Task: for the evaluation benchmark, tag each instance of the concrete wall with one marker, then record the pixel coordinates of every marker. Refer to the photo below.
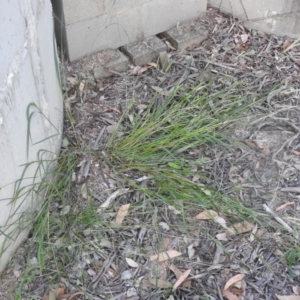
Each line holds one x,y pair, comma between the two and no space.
280,17
86,26
27,74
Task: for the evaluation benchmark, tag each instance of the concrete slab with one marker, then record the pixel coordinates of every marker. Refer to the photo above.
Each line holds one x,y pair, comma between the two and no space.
112,60
186,35
146,51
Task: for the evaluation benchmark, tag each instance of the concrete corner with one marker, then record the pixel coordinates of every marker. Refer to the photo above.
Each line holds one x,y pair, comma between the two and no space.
146,51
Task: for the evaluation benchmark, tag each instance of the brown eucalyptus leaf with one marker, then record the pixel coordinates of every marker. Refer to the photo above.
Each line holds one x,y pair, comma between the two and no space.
163,256
233,280
181,279
122,212
162,284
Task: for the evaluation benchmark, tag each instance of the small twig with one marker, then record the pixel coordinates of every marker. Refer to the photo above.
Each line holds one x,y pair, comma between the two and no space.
95,146
288,142
112,197
277,218
291,189
219,64
106,265
275,113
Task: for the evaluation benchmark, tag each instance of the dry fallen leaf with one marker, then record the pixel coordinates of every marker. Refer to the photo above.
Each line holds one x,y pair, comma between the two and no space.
178,273
258,145
284,205
152,64
52,295
81,86
220,221
131,262
243,47
181,279
160,283
17,273
230,296
122,212
288,297
174,210
244,38
233,280
170,46
142,106
68,105
160,90
71,296
72,80
84,191
206,215
60,292
163,256
65,210
164,226
111,198
240,228
296,290
139,70
295,152
278,252
111,128
262,147
286,44
222,236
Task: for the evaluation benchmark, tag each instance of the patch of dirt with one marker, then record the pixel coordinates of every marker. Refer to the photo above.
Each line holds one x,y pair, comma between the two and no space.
261,169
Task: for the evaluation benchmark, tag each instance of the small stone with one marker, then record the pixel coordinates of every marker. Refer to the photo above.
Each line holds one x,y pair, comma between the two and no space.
117,62
126,275
182,39
146,51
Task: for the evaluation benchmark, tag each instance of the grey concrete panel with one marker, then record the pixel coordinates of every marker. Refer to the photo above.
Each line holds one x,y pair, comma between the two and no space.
79,10
162,15
104,32
118,5
28,75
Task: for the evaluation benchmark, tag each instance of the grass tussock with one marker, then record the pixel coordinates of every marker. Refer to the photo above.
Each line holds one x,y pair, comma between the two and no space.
162,143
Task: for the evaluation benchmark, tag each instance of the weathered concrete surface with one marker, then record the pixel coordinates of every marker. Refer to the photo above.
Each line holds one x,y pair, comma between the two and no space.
28,74
121,23
182,38
115,61
146,51
280,17
78,10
